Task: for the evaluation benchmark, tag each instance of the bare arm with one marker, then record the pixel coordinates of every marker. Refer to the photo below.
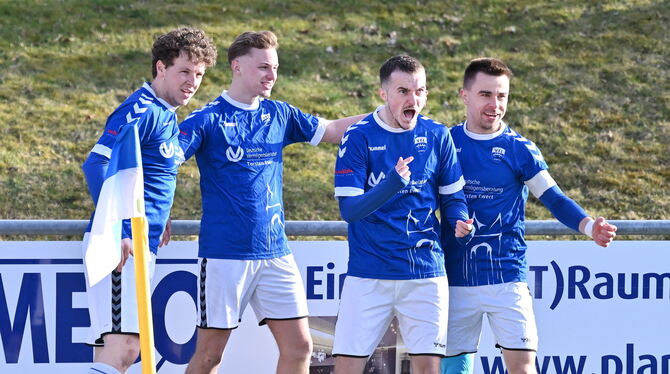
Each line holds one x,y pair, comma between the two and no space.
335,128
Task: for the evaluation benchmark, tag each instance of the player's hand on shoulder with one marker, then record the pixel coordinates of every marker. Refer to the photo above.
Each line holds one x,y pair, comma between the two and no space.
402,167
464,228
603,232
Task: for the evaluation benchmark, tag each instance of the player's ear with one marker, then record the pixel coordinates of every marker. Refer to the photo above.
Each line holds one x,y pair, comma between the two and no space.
235,66
464,95
382,93
160,68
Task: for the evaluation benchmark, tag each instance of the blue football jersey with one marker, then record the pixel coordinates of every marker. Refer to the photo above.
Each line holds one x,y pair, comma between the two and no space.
495,167
156,122
238,148
400,240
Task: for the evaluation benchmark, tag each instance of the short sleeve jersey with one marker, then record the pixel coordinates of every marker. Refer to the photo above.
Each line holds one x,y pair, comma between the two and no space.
400,240
156,123
238,148
495,167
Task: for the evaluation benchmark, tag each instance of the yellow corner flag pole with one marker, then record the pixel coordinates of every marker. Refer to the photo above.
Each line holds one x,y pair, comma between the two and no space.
144,314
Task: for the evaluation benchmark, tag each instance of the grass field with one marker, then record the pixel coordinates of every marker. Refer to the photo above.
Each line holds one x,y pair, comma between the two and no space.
591,87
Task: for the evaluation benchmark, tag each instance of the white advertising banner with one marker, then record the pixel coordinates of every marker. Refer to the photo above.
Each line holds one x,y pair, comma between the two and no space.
598,310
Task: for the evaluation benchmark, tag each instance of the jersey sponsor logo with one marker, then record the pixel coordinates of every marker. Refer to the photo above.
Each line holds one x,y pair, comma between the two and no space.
373,181
497,153
234,155
421,143
167,150
344,171
265,118
377,148
112,132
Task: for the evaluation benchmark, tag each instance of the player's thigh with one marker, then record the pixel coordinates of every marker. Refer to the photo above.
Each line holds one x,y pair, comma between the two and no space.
421,306
465,320
292,335
509,307
519,361
279,294
365,312
112,303
224,289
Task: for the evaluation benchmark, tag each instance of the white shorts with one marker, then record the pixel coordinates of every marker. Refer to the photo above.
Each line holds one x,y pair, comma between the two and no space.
273,287
509,308
112,302
367,306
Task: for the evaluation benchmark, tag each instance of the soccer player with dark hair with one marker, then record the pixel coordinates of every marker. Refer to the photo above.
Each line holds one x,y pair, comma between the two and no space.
394,170
488,275
180,59
238,141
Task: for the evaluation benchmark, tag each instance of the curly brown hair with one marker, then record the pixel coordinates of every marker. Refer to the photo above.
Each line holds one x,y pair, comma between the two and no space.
189,40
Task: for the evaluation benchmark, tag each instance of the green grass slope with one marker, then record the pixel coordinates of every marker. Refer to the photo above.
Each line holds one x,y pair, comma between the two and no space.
591,87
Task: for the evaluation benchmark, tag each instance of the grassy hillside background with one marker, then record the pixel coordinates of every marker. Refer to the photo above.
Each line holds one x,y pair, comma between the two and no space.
592,87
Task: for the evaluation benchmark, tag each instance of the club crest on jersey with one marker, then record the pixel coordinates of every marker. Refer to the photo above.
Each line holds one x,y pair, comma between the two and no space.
234,155
497,153
265,118
166,150
421,143
373,181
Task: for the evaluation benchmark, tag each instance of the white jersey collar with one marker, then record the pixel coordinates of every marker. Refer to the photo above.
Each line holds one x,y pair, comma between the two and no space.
233,102
147,86
476,136
384,125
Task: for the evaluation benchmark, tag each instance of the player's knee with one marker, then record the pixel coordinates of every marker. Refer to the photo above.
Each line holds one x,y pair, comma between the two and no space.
128,354
300,350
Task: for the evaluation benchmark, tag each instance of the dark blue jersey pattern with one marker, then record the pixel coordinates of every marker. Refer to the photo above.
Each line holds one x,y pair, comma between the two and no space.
156,122
498,170
238,148
400,239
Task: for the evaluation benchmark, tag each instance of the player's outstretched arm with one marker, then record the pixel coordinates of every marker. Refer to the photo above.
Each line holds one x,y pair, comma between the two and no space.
600,230
335,128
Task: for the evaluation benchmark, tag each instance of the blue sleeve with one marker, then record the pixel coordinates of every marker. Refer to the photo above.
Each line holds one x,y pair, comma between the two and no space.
453,207
354,208
95,169
191,134
300,126
566,210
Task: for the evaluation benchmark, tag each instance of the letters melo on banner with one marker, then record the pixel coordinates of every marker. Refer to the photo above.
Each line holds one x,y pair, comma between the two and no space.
598,310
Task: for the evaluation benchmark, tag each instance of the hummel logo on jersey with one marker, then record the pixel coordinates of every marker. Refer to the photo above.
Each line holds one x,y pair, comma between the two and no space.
265,118
234,155
497,153
373,181
166,150
377,148
342,151
229,124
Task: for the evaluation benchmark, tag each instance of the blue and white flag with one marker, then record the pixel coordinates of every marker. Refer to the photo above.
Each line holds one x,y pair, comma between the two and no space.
121,197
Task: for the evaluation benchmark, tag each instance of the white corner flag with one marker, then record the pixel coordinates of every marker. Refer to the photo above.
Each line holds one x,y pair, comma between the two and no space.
121,197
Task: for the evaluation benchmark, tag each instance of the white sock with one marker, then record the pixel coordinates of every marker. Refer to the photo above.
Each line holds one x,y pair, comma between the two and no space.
100,368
